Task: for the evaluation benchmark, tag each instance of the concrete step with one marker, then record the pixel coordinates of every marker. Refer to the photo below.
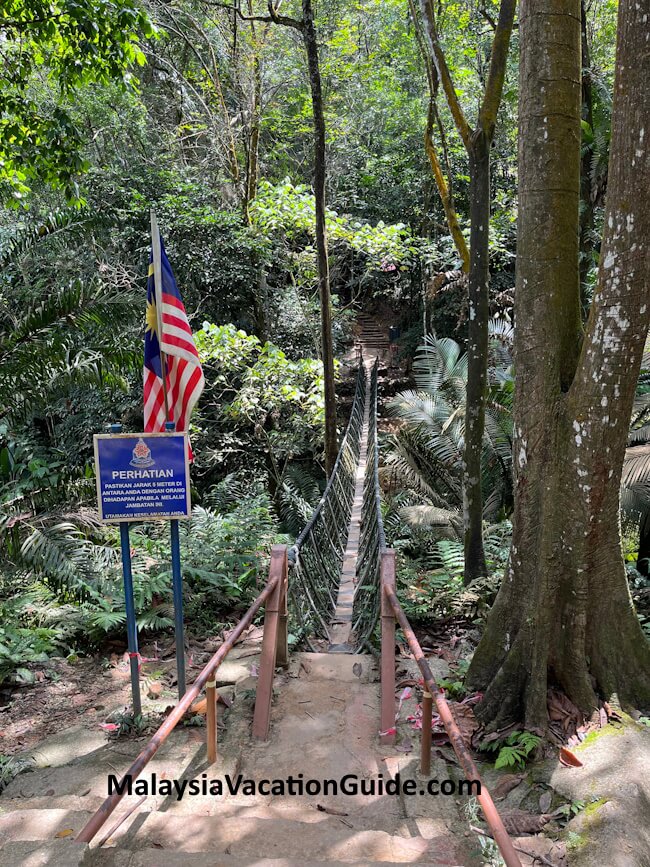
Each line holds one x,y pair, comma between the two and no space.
160,858
31,825
36,853
327,840
335,668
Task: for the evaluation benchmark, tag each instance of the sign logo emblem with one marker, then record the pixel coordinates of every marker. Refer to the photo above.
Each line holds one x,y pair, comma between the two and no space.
141,455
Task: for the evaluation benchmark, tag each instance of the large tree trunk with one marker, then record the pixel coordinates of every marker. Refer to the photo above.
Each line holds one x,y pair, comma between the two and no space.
327,351
564,613
477,353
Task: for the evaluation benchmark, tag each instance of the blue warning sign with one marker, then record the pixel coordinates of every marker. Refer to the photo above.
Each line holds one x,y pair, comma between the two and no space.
142,477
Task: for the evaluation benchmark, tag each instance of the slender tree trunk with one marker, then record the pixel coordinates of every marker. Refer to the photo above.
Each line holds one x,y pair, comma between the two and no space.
443,184
477,353
327,350
477,144
564,614
444,190
587,201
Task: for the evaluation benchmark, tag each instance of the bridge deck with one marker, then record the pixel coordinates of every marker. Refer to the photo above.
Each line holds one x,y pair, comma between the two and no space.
342,622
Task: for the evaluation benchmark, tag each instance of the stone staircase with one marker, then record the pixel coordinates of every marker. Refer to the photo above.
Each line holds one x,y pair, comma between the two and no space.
325,720
372,338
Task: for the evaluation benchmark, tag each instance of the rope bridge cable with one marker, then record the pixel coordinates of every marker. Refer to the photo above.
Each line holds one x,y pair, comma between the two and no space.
367,598
316,557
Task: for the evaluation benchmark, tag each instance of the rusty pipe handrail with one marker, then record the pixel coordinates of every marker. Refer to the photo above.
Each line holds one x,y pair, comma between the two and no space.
101,815
468,765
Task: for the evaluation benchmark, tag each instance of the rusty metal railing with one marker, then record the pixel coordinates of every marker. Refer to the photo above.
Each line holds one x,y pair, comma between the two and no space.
376,597
274,652
392,611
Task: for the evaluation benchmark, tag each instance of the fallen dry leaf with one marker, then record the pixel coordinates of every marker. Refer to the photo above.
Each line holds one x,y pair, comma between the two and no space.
66,832
545,801
506,784
568,759
330,810
520,822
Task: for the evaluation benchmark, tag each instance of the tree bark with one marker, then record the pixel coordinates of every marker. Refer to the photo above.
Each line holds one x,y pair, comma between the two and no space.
444,190
564,615
327,350
477,353
307,28
586,193
443,184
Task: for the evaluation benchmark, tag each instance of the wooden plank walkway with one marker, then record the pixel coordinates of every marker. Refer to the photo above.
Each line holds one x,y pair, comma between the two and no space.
341,624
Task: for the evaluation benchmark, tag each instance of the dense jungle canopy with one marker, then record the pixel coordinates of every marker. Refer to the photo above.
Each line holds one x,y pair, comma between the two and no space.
473,175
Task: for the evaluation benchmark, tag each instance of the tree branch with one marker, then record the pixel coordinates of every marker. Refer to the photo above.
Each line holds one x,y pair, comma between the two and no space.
237,10
497,73
440,62
285,20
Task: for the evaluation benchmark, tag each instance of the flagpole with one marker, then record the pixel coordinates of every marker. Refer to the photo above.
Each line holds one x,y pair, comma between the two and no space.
157,281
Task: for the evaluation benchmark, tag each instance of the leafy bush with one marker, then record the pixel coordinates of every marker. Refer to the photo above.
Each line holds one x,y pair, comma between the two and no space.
21,646
267,407
10,767
514,750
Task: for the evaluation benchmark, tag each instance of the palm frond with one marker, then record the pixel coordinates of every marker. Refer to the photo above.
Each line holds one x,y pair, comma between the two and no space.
29,236
636,466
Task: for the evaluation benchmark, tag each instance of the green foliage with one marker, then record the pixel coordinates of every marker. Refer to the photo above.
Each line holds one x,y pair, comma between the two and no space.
125,724
66,337
10,767
514,750
50,49
268,407
223,554
430,574
425,456
19,647
291,210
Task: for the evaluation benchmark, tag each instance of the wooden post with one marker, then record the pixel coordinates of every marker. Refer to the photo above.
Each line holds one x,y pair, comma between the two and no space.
211,719
387,578
425,744
262,714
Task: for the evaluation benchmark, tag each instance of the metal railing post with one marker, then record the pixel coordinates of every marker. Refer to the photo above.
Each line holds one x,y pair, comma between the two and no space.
465,759
211,718
98,818
264,693
282,647
425,744
387,578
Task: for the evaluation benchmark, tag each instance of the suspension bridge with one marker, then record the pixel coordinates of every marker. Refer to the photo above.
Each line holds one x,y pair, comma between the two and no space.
331,715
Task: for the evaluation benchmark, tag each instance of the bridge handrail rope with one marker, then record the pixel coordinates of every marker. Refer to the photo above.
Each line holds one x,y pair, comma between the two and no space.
320,547
316,557
372,544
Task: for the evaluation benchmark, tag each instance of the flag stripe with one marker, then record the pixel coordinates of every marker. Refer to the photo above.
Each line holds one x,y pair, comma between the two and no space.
185,339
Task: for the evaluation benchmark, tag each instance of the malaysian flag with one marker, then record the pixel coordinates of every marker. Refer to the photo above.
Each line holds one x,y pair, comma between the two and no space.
168,330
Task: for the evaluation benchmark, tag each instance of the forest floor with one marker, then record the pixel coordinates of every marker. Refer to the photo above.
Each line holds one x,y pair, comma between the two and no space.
75,705
93,690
